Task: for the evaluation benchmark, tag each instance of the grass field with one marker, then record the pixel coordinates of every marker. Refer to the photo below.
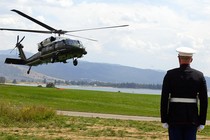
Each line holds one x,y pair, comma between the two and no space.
29,113
81,100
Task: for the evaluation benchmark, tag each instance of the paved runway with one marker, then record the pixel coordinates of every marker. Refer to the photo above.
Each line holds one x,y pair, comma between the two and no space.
111,116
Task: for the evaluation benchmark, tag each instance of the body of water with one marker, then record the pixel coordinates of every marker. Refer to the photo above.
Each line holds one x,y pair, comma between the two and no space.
124,90
109,89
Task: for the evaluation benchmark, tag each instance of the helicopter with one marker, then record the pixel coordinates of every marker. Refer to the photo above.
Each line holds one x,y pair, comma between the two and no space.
52,49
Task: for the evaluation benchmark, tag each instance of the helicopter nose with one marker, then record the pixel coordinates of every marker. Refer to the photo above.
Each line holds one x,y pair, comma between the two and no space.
84,52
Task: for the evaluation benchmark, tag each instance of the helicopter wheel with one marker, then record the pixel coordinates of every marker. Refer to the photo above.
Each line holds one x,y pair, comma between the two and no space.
75,62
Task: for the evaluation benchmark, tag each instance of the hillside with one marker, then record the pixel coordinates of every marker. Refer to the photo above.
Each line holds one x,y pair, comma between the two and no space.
84,71
101,72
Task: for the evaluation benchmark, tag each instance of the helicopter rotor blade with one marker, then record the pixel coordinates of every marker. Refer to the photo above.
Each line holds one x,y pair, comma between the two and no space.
17,38
97,28
53,30
12,49
82,37
25,30
16,44
60,31
21,40
34,20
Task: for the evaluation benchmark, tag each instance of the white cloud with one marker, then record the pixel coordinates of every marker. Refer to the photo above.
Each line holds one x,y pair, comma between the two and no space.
63,3
155,30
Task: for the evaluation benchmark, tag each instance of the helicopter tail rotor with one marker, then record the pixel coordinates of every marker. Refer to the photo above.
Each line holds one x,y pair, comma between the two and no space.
20,40
18,44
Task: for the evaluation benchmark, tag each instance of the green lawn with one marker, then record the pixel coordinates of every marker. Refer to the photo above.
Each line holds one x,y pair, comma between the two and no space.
83,100
29,113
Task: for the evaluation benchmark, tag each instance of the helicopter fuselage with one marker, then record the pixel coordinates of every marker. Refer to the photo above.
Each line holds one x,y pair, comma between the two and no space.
59,50
56,50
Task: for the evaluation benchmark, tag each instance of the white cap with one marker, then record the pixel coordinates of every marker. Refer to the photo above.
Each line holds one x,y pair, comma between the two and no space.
185,51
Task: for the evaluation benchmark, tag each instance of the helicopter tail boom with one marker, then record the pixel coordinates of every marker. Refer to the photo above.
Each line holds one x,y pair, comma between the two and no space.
15,61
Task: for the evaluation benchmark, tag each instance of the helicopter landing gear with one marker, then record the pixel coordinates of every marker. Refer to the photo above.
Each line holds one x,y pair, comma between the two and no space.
29,70
75,62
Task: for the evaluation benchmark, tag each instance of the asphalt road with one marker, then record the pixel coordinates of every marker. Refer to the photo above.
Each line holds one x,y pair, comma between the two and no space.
107,116
111,116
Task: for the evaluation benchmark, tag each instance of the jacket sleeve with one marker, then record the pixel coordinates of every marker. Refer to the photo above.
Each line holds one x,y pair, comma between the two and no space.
165,99
203,97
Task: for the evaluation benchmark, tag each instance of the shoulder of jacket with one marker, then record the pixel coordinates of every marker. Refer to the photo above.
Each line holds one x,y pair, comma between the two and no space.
197,71
172,70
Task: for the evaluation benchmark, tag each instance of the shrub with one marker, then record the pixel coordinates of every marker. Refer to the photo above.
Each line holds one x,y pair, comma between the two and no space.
25,113
50,85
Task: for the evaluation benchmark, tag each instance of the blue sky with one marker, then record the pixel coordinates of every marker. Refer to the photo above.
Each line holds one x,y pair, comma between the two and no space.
156,29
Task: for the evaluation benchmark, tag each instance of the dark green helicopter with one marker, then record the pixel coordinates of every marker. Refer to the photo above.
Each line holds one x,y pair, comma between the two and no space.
52,49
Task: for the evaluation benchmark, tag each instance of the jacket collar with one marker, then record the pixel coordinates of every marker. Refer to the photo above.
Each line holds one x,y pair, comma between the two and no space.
184,66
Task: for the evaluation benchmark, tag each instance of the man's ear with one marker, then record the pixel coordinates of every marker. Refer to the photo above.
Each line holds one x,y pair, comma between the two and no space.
191,60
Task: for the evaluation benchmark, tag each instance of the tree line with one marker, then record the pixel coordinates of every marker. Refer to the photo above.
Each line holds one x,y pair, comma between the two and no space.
97,83
116,85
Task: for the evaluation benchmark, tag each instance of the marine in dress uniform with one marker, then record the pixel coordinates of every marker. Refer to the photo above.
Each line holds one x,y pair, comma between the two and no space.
184,90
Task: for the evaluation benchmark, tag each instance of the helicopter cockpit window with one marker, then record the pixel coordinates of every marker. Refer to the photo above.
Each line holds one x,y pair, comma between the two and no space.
52,38
71,42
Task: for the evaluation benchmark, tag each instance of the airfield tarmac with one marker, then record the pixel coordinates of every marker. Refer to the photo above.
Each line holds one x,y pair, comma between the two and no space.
111,116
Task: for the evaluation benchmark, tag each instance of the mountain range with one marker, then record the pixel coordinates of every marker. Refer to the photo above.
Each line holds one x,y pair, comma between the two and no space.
87,71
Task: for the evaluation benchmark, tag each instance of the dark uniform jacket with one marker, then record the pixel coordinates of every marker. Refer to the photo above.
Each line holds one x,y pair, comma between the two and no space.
184,82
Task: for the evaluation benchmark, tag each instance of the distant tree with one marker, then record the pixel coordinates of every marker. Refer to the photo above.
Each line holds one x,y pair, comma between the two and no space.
39,86
14,81
67,82
2,80
50,85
